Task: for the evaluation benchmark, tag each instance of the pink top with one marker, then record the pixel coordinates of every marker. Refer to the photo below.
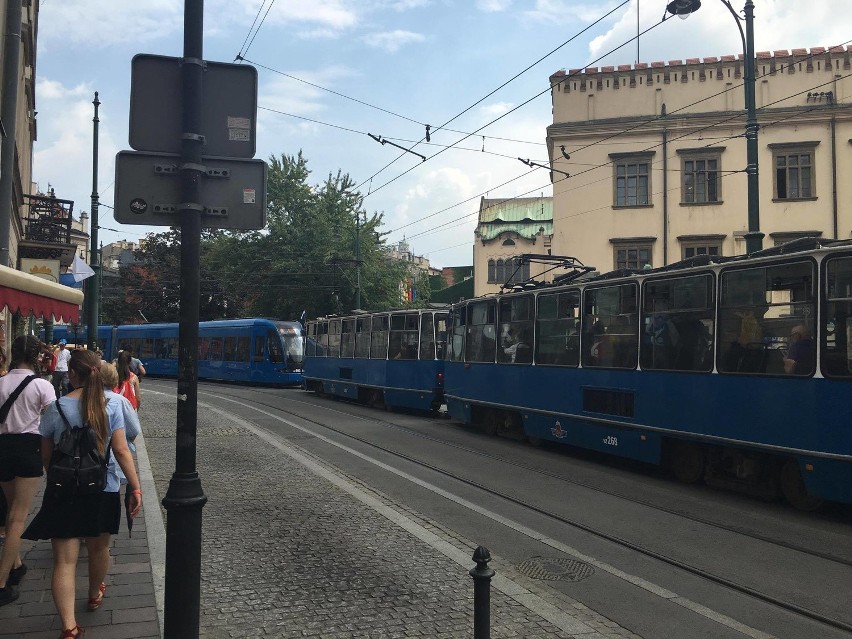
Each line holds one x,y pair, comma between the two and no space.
26,412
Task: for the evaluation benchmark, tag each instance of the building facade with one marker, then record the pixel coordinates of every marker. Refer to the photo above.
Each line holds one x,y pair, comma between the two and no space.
506,230
36,241
657,156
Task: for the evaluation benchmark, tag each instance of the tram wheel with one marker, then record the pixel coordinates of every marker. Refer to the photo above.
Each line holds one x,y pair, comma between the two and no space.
686,462
535,442
793,488
490,423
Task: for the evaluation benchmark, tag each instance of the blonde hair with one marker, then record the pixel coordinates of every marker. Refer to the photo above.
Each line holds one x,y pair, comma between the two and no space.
109,375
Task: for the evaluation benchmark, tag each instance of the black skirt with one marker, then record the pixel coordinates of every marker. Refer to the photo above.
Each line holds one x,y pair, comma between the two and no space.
80,516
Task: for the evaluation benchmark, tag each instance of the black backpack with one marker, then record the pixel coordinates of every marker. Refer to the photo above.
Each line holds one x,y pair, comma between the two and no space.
76,467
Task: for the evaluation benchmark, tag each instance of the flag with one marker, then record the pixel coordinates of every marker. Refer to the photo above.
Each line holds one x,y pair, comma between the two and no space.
80,270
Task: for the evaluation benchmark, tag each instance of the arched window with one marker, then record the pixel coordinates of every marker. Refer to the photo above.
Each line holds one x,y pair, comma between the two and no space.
500,275
492,271
508,242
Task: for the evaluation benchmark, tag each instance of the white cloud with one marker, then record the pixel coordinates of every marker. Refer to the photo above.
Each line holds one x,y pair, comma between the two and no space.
392,40
493,6
91,23
334,14
55,90
711,31
498,108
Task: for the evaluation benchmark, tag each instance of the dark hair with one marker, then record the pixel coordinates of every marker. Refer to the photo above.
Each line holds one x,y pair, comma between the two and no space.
26,349
122,364
93,403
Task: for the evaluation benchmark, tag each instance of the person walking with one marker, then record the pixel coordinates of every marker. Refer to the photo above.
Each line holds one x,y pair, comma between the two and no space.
128,381
95,517
60,371
23,395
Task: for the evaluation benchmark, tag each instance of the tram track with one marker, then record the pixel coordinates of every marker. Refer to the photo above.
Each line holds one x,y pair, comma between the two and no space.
596,532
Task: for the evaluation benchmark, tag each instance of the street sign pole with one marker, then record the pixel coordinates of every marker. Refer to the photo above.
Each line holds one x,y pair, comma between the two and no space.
185,497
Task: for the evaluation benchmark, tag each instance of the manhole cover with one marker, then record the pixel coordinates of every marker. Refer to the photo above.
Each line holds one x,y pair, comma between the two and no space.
555,569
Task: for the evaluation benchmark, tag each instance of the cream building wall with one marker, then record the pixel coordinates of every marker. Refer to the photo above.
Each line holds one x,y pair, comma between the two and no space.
669,117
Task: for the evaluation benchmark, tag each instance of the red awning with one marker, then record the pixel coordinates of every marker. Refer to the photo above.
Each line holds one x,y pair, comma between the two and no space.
30,295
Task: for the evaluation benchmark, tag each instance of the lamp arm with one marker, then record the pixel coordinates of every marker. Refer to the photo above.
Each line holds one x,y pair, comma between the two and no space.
739,23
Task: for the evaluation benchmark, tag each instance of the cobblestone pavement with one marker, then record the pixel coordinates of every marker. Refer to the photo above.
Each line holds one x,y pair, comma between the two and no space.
287,553
294,548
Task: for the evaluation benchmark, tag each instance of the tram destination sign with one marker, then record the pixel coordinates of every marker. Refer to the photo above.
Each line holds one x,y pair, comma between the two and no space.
148,191
229,116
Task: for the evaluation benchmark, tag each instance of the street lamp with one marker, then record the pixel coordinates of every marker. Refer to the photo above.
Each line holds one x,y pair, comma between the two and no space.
682,9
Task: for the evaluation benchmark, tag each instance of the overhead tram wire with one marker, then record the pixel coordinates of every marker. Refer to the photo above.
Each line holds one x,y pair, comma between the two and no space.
640,124
239,55
485,97
462,220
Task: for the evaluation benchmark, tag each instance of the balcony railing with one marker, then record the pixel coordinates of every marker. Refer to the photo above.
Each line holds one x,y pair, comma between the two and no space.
48,219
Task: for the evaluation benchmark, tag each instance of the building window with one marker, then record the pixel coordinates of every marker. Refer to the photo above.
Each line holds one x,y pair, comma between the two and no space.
794,173
691,250
492,271
700,180
627,257
510,269
508,242
632,182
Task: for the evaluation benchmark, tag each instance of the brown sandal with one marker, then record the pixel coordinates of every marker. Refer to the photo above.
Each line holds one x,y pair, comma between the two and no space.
69,634
95,602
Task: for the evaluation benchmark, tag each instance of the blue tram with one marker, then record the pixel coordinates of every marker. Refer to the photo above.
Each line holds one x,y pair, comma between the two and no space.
254,350
736,370
395,359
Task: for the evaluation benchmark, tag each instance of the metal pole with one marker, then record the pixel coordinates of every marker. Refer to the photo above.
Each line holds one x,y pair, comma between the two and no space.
94,283
482,575
9,119
357,259
185,497
754,238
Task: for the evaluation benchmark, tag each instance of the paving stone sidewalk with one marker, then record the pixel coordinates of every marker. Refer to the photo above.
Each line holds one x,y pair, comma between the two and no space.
129,610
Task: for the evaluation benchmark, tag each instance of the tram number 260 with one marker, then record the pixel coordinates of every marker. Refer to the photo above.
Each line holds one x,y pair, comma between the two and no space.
610,440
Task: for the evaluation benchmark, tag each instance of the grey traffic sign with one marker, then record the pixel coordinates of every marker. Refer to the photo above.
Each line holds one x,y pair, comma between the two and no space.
229,117
148,191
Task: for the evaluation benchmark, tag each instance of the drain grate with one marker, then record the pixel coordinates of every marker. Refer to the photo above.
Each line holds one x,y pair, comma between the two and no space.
555,569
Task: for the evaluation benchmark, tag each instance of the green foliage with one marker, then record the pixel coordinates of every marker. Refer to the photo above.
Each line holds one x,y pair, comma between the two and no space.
304,260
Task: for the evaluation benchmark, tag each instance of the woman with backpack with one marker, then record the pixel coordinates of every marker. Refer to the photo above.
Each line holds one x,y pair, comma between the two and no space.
128,381
23,396
66,516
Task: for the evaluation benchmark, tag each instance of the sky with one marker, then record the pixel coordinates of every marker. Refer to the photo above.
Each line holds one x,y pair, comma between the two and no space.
332,72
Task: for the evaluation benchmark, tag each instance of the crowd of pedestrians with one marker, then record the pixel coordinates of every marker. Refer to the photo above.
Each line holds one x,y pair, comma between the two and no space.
45,395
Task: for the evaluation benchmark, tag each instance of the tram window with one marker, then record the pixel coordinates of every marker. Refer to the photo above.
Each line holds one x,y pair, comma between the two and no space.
759,310
167,348
427,336
677,324
276,352
440,335
216,349
481,337
457,328
516,329
322,339
558,329
610,327
362,337
836,343
147,349
259,346
311,344
230,349
403,336
334,338
203,348
347,338
244,347
379,337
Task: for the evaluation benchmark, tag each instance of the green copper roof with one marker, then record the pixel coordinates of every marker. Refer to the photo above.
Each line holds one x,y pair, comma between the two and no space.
524,216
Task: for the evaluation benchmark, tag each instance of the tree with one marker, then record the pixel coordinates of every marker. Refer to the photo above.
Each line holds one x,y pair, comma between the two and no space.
151,285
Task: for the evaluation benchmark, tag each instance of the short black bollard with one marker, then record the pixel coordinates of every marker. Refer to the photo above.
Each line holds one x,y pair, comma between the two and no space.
481,593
